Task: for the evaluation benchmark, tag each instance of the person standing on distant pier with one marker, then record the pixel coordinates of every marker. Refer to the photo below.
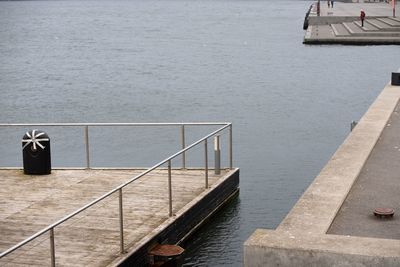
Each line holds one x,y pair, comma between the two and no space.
329,3
332,3
362,17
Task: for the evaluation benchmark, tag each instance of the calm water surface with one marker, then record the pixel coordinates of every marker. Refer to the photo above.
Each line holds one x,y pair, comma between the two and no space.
171,61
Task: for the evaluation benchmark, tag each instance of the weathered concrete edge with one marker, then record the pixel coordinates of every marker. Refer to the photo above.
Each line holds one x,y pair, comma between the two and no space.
275,248
190,216
319,204
314,212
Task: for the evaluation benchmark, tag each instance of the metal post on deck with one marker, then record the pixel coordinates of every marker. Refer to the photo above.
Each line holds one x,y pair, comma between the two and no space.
170,188
353,124
52,249
230,148
121,223
206,161
183,146
217,153
87,146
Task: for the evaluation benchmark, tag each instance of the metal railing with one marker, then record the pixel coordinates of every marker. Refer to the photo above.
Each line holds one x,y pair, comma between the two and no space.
119,189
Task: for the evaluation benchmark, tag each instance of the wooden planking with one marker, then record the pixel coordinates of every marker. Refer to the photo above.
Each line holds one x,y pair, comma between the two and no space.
30,203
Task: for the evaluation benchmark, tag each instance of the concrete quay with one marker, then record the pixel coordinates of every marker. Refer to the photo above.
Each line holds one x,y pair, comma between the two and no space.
333,224
341,24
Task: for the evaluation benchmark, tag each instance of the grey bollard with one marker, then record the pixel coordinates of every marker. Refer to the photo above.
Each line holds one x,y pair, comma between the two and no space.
217,152
352,125
395,78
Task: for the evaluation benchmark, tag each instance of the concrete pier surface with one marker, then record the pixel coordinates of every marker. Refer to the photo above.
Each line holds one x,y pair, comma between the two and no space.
29,203
378,185
333,224
342,25
344,9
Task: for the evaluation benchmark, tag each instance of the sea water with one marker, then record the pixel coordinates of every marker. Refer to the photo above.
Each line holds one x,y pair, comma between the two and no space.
177,60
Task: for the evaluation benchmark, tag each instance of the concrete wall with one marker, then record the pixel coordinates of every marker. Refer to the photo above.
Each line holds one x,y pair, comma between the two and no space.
325,20
271,248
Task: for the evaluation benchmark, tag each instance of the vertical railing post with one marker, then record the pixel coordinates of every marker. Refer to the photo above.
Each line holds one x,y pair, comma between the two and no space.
217,155
230,148
87,146
121,223
183,146
206,162
169,188
52,249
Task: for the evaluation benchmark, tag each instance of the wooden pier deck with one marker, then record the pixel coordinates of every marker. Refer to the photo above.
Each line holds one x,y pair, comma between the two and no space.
92,238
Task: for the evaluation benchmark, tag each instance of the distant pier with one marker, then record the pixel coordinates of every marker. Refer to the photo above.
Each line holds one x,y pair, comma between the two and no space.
342,25
333,223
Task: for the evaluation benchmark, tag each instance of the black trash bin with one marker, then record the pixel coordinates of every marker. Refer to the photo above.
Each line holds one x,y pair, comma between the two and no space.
36,152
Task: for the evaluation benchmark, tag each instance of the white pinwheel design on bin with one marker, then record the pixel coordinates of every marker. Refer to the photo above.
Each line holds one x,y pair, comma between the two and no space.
34,139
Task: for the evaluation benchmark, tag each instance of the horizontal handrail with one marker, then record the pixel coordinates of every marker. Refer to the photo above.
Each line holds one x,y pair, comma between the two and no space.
115,124
52,226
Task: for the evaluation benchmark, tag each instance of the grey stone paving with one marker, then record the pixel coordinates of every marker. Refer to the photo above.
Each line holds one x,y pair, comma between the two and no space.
353,9
378,185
